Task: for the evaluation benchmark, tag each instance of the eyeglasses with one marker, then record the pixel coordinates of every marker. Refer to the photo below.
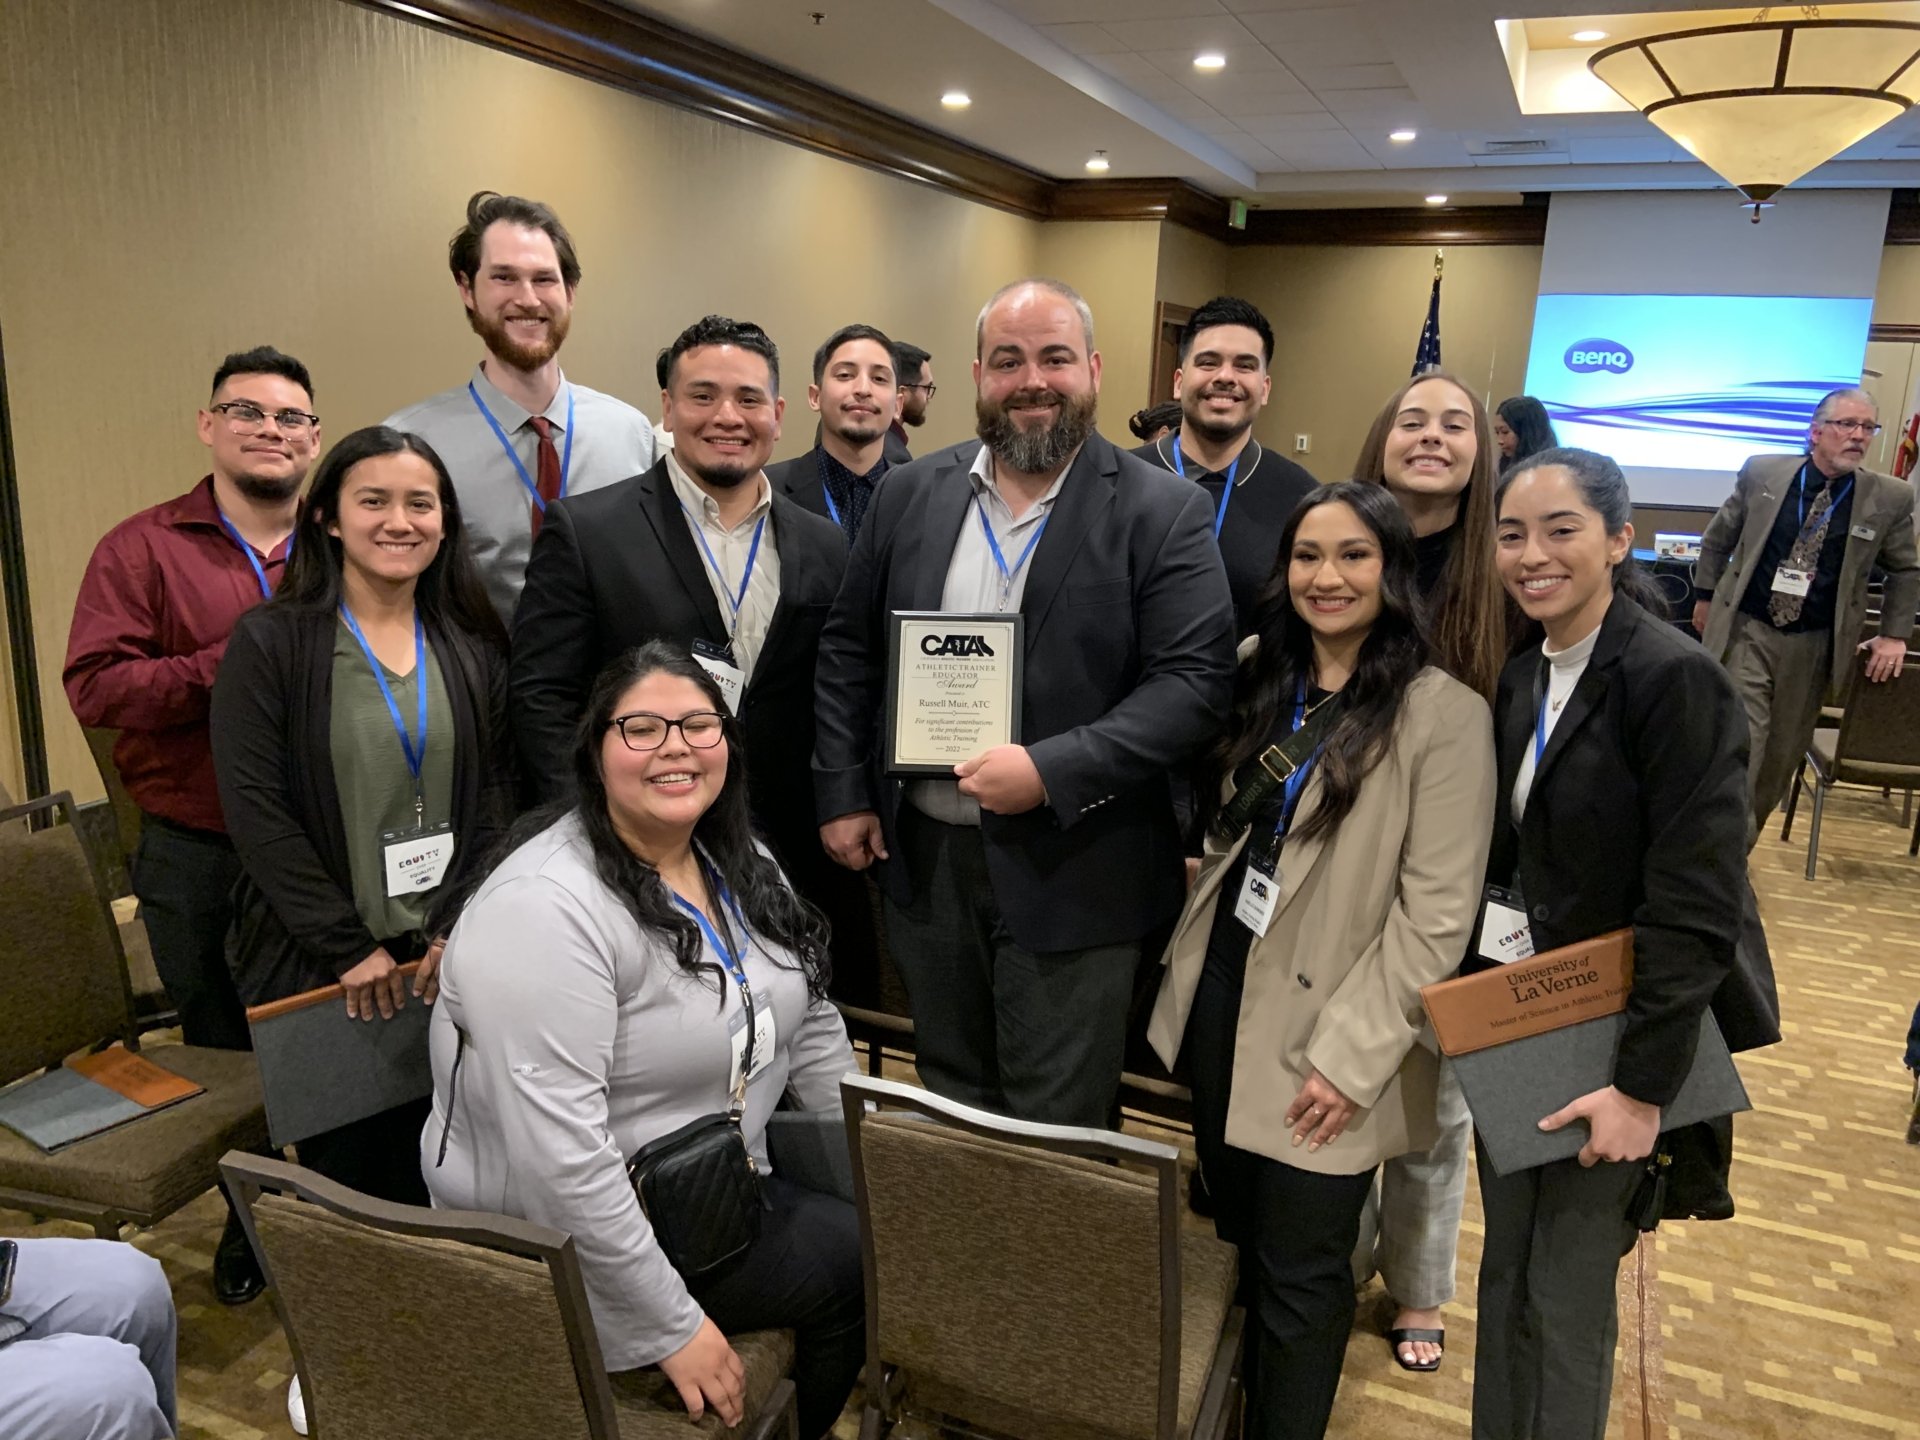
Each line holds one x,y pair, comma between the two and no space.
702,730
928,388
246,418
1868,428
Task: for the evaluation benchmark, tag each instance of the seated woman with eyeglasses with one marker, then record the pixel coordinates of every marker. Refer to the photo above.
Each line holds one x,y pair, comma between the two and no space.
594,999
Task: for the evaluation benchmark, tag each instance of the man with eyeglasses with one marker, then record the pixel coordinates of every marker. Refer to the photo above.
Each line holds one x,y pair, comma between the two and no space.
159,599
1782,585
518,434
913,369
703,551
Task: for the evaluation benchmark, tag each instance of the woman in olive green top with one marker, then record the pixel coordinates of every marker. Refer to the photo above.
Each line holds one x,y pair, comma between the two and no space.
360,740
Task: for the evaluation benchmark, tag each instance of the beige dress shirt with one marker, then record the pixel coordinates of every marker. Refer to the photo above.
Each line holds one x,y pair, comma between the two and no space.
723,555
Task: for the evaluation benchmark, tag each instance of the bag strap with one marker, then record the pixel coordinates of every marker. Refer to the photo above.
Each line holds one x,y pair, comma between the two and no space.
1277,764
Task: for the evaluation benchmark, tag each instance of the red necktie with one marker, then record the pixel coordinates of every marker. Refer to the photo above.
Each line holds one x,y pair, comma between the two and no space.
547,476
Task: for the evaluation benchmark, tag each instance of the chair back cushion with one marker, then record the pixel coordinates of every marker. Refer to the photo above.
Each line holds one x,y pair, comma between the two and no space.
1027,1278
62,987
417,1336
1881,725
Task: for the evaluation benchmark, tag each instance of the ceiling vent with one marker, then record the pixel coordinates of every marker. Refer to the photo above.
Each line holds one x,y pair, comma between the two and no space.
1512,147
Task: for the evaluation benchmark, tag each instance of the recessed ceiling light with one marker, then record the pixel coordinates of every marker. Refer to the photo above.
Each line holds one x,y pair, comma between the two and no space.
956,100
1401,137
1436,199
1098,164
1589,37
1210,60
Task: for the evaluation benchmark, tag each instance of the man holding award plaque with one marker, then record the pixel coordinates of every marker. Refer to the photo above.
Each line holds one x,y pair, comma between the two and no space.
1034,634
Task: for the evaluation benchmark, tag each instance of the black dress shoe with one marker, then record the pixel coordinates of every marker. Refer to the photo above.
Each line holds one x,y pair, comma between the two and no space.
236,1274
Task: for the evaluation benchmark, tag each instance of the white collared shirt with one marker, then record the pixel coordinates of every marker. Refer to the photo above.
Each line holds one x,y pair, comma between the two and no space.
728,551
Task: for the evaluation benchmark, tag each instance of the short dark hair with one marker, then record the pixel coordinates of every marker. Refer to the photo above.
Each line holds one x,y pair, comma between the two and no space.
845,334
1149,422
909,362
486,207
262,360
1227,310
661,364
719,330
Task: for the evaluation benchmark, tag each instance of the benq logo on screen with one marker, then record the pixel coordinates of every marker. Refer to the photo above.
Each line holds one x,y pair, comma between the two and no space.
1585,357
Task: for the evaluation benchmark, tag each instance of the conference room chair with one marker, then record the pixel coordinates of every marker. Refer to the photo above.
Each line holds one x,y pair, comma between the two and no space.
1877,743
451,1325
63,991
1034,1280
150,999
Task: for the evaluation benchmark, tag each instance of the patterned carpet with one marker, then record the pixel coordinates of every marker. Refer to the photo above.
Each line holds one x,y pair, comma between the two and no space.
1800,1317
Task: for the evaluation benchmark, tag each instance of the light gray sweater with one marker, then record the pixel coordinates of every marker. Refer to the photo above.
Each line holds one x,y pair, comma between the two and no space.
584,1041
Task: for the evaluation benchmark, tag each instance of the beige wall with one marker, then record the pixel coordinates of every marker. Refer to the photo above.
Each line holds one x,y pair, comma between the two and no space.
1193,267
1346,321
223,173
1897,300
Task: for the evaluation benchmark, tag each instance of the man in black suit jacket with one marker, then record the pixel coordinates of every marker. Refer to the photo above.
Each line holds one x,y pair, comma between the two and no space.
913,370
665,555
1019,892
855,395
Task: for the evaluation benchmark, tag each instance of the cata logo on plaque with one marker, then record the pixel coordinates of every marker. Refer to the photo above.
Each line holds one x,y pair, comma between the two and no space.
955,645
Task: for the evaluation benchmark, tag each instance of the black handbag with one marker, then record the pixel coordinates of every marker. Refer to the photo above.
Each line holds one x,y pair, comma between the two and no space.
699,1187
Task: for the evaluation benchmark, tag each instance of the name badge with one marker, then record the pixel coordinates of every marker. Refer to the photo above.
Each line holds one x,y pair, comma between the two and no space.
1787,581
764,1039
717,661
1505,935
1259,893
415,861
1863,532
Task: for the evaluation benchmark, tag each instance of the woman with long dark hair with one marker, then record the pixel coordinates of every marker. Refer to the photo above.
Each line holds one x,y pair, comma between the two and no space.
1622,804
633,961
1431,447
1323,903
1521,428
360,740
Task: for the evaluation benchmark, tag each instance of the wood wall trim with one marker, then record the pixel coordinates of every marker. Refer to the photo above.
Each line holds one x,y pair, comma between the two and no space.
1523,224
1173,200
1895,334
1903,218
599,41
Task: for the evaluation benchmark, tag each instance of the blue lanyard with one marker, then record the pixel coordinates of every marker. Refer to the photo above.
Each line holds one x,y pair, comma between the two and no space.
999,557
735,599
259,571
833,510
1803,497
416,754
735,959
1540,733
566,455
1297,781
1226,495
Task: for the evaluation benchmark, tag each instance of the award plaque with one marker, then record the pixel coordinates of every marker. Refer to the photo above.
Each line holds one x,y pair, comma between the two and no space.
953,688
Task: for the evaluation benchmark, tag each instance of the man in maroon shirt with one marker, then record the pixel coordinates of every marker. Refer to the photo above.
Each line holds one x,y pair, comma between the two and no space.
159,600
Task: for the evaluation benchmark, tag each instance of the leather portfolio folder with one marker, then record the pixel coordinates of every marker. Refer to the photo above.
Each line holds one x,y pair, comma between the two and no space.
321,1069
88,1095
1526,1039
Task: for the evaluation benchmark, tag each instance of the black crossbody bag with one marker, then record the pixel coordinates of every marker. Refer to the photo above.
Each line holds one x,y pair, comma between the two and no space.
699,1187
1271,769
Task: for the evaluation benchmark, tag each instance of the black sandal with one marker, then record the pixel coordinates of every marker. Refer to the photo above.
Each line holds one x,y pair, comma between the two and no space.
1397,1338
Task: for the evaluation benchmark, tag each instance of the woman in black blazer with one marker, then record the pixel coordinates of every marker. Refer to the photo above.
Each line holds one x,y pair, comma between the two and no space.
1621,803
350,815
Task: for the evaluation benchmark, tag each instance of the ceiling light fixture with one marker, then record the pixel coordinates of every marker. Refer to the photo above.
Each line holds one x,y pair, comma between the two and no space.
1098,164
1210,60
956,100
1764,102
1402,137
1589,37
1436,199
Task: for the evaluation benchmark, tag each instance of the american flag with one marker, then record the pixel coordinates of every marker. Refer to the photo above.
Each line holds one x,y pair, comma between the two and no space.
1427,357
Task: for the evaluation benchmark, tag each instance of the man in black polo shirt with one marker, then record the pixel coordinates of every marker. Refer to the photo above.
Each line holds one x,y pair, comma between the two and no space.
857,398
1225,349
1782,581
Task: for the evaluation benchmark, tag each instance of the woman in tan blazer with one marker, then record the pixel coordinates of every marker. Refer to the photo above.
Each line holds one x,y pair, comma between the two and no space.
1294,972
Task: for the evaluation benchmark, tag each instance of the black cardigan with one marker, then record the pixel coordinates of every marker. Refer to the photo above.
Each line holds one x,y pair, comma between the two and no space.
295,926
1637,817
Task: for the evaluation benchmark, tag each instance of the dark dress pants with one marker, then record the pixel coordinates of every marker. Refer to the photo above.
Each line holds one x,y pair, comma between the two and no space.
803,1274
1295,1230
1038,1036
183,879
1548,1317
